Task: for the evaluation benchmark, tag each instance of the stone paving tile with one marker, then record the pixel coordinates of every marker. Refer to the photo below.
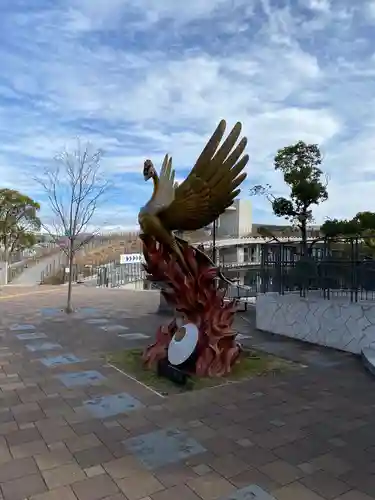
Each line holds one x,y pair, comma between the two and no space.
139,485
281,472
228,465
95,488
123,467
211,486
172,475
64,493
57,433
325,485
354,495
96,470
54,458
180,492
254,476
120,496
332,464
63,475
28,449
93,456
22,487
81,443
23,436
5,455
7,427
14,469
296,491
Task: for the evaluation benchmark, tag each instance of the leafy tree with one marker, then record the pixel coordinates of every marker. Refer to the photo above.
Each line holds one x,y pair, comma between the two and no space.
362,225
18,221
300,166
74,186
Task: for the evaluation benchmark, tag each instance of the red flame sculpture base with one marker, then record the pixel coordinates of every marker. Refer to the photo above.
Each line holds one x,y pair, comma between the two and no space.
196,297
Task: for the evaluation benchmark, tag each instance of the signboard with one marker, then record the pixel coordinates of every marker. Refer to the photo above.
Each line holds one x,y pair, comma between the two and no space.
131,258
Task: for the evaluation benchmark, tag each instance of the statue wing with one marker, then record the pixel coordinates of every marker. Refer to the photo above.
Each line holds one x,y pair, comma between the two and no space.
211,185
165,192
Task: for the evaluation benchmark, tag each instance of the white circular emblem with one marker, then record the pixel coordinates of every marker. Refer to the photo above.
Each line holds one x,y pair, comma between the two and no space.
183,344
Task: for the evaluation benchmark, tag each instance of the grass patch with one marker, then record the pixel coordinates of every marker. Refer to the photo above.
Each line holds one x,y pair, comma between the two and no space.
251,364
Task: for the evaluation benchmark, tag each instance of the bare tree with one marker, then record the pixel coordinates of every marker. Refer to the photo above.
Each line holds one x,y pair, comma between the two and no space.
74,187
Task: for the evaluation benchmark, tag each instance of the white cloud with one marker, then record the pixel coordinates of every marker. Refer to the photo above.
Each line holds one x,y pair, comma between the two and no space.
139,79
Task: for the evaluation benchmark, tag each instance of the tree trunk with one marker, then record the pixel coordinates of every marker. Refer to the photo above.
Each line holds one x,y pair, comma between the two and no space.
304,238
6,262
69,308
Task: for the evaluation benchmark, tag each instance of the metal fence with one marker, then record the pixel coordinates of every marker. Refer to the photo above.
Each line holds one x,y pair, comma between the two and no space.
329,267
118,275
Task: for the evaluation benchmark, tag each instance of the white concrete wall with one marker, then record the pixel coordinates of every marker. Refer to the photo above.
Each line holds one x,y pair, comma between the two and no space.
244,211
338,323
3,273
236,221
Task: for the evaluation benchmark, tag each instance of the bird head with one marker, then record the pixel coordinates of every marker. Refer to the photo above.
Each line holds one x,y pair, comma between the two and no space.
148,170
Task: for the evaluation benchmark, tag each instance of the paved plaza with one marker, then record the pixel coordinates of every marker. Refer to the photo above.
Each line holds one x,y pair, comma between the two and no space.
74,428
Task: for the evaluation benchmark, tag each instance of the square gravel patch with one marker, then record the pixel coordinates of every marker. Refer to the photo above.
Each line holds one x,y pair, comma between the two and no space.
97,321
108,406
88,311
65,359
134,336
163,447
51,311
90,377
251,492
21,328
31,336
43,346
114,328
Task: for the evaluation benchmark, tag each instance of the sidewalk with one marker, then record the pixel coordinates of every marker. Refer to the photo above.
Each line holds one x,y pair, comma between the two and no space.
73,428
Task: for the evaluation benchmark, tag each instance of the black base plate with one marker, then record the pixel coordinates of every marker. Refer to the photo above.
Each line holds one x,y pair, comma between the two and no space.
172,373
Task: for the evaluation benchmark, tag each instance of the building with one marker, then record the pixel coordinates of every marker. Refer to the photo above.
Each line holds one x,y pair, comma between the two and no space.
236,221
237,242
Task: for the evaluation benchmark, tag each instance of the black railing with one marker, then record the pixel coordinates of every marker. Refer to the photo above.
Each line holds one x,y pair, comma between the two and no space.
328,267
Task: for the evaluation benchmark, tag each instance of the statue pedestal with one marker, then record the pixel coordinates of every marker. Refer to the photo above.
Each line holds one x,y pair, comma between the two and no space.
164,307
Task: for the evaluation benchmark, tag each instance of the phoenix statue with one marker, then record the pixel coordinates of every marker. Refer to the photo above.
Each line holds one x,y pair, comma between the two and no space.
208,190
189,274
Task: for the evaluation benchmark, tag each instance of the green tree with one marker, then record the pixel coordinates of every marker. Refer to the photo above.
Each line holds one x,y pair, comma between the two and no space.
300,166
18,221
362,225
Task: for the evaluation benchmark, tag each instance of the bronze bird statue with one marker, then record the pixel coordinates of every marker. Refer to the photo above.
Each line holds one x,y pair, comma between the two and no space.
202,197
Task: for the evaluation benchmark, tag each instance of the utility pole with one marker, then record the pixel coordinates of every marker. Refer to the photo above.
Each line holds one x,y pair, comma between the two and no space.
214,241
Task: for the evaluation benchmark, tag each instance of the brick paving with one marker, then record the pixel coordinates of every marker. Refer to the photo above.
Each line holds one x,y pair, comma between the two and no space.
305,435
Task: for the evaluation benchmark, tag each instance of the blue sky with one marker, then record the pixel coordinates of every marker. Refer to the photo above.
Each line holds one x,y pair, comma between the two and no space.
142,78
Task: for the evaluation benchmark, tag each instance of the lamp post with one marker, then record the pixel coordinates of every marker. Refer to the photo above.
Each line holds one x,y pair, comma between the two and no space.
214,241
